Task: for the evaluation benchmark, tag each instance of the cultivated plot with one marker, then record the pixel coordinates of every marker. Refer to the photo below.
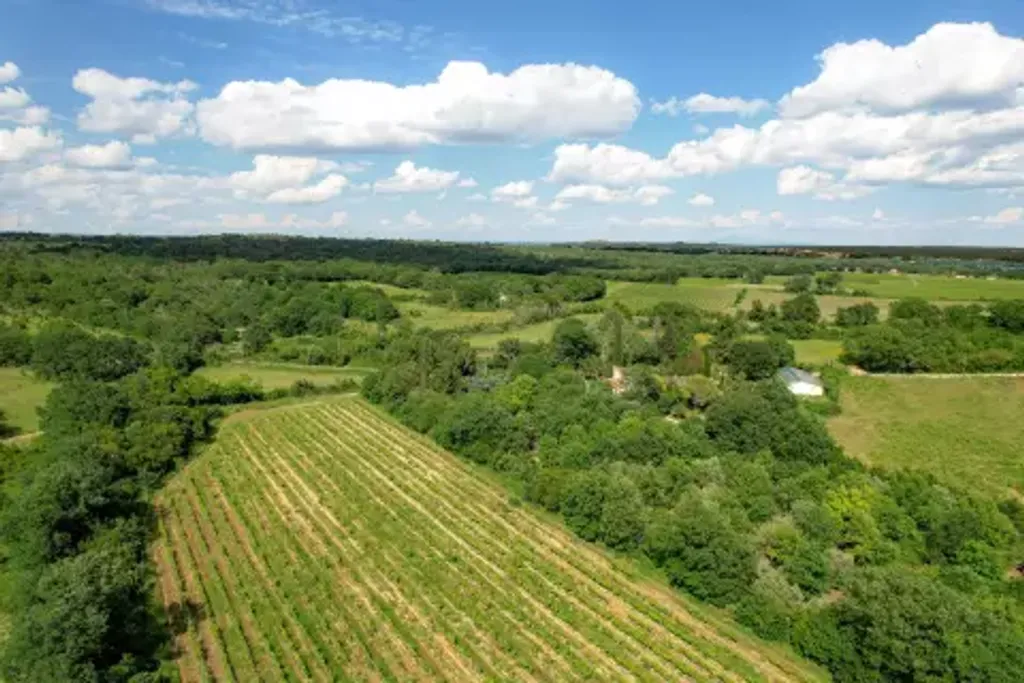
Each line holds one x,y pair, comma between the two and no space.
324,542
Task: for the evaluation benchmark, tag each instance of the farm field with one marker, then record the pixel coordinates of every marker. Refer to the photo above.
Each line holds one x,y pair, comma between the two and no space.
279,375
20,394
324,542
965,430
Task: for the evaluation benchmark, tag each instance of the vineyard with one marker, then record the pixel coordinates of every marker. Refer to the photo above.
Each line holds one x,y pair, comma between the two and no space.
324,542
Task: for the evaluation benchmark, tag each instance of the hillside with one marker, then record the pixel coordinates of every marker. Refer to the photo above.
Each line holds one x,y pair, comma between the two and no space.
324,542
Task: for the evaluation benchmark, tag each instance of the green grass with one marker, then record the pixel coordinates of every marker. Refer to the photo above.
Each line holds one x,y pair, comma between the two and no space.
442,318
935,287
816,351
719,295
538,332
324,541
279,375
711,294
966,430
20,394
390,290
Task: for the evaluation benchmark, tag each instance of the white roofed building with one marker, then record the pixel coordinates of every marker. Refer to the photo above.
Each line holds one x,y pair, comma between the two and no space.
801,383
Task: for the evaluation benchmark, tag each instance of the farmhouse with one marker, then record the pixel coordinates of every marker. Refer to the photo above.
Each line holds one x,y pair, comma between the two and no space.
801,382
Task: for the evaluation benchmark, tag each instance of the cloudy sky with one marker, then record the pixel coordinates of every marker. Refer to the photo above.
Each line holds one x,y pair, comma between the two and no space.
742,121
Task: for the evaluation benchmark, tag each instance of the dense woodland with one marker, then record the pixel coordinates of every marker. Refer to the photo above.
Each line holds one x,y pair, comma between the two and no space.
703,465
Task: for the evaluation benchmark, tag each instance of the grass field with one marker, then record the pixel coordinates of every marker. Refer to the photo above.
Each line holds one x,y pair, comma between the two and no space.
323,542
20,394
817,351
720,295
279,375
966,430
711,294
935,287
400,293
539,332
442,318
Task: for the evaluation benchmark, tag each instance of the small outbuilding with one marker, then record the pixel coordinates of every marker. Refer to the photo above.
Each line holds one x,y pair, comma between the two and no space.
801,383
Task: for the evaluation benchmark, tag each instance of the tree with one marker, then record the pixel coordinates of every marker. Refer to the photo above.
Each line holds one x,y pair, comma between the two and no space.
1008,315
915,309
880,348
611,326
701,552
754,276
573,342
583,501
801,309
828,283
6,430
857,315
87,616
15,346
255,338
623,515
65,352
757,360
507,352
798,284
903,625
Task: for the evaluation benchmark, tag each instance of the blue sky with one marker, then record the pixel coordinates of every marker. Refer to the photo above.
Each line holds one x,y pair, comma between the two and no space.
745,121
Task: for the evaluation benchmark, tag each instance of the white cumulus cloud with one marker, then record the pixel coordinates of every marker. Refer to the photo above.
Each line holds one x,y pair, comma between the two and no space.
821,184
9,72
338,219
867,122
14,98
466,103
414,220
518,193
646,195
704,103
701,199
113,155
473,220
515,190
410,178
950,65
328,188
606,164
1009,215
140,108
22,143
283,179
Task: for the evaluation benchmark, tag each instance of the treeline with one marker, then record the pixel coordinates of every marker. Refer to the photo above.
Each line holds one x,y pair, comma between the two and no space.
447,257
920,337
76,522
183,309
61,351
745,502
